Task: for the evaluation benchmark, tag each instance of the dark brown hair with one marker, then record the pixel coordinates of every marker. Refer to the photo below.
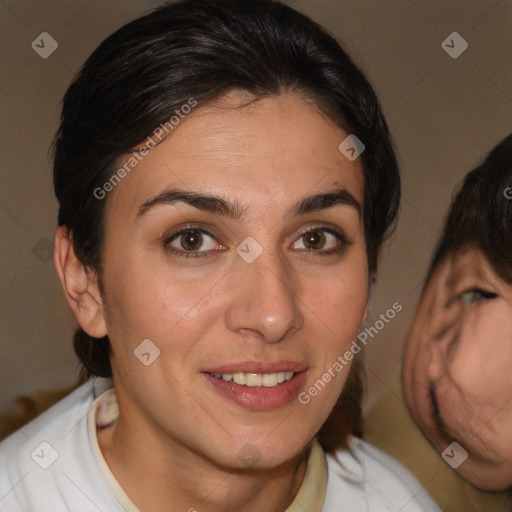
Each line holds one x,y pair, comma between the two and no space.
481,213
140,75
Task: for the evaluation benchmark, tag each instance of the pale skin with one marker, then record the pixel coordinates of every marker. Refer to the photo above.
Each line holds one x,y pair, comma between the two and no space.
291,303
460,345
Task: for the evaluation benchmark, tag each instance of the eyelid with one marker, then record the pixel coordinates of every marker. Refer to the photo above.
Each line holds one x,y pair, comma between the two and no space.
191,254
337,232
191,227
177,232
342,243
477,295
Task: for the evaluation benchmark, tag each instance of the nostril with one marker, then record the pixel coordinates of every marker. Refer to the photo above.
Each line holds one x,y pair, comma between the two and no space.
436,363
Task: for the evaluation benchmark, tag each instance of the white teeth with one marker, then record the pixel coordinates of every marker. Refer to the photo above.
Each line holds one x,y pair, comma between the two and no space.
239,378
270,380
254,380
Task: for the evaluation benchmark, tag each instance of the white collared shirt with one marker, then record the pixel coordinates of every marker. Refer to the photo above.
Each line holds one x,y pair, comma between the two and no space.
54,464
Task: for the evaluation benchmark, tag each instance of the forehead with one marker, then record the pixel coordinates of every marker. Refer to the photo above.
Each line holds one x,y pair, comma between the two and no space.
275,148
470,263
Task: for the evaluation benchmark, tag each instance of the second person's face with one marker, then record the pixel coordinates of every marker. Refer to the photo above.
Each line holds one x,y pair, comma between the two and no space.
457,376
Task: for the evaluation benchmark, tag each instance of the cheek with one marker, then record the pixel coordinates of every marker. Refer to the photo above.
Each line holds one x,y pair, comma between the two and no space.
338,299
416,388
334,307
156,302
481,365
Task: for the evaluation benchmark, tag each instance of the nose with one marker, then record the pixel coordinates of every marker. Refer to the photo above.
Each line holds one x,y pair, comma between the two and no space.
446,325
264,302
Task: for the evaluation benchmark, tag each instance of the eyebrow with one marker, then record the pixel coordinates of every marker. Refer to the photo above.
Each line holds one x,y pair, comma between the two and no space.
234,210
461,271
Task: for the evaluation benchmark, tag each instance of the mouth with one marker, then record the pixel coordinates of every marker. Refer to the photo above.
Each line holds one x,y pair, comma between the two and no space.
435,405
258,386
255,380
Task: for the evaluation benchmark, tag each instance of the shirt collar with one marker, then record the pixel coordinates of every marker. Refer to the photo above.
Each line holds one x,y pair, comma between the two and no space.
104,411
311,495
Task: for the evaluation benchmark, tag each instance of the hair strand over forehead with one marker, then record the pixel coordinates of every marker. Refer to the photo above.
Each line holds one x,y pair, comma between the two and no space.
481,213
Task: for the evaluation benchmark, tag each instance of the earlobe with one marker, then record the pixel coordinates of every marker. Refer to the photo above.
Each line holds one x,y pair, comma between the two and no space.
80,285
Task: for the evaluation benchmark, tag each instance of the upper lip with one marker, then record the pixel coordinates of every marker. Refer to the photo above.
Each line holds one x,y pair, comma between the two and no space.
258,367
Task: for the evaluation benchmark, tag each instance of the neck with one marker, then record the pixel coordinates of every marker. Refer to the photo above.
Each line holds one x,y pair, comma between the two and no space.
155,474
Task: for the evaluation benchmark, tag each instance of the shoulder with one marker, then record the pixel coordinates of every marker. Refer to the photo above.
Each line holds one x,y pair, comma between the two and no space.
366,478
50,456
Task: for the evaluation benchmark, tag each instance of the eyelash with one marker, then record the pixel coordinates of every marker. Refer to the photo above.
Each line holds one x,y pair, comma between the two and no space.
345,242
477,295
202,254
185,254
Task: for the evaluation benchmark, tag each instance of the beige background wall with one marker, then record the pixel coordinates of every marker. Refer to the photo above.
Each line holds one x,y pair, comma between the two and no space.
444,113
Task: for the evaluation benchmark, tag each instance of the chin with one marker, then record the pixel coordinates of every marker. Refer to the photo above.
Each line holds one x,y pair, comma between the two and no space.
265,453
486,476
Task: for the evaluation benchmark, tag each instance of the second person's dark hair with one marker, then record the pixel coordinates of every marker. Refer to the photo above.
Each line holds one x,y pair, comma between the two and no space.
481,213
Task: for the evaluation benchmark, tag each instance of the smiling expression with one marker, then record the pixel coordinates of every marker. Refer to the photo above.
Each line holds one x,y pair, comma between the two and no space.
237,247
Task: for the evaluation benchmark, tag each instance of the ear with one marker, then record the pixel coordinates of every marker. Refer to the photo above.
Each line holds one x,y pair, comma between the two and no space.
80,285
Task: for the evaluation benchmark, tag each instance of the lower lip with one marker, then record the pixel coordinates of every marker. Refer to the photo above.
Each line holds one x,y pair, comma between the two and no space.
260,399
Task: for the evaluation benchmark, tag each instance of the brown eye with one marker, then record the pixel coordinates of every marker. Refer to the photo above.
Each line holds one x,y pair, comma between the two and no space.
322,241
191,240
314,240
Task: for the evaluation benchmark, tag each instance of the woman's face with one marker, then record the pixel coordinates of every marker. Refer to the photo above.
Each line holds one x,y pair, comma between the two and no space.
263,278
457,377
